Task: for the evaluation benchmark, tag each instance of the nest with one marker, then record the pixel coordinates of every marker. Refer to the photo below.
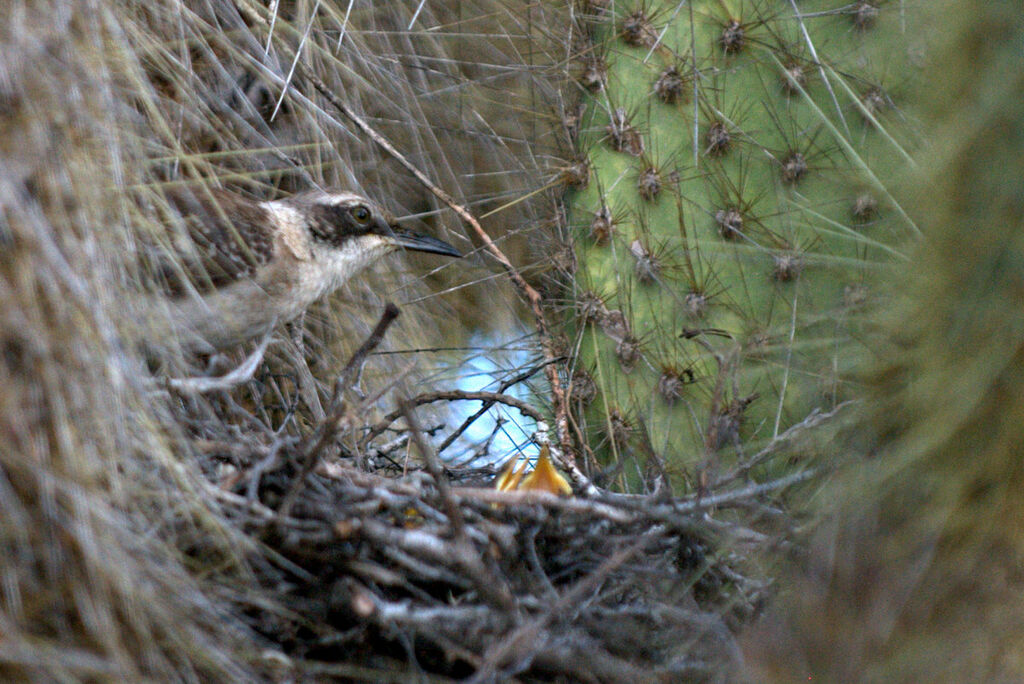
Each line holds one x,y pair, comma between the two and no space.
387,564
427,574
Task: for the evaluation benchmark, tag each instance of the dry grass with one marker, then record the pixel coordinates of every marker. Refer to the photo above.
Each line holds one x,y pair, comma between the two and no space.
151,531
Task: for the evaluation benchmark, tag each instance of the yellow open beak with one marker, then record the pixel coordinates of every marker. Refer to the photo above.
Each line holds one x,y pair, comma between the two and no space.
543,477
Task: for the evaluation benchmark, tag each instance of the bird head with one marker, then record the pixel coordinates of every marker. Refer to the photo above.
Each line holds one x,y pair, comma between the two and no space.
337,218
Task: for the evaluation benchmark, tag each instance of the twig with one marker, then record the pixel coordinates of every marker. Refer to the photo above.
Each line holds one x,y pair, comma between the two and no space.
313,446
522,377
813,419
517,646
451,508
625,509
491,587
372,342
453,395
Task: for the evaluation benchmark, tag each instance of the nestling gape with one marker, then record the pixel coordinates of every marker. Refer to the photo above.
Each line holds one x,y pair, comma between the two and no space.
255,264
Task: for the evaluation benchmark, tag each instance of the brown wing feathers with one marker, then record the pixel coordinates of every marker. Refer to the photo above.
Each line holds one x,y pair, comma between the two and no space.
231,237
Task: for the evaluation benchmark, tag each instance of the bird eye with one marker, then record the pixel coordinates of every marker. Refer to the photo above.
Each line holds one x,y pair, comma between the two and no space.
361,214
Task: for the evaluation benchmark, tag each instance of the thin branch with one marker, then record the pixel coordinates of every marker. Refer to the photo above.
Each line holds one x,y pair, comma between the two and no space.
520,644
313,446
491,587
522,377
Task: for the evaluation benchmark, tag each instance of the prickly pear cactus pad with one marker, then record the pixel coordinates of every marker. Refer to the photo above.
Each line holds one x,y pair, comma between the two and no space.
731,206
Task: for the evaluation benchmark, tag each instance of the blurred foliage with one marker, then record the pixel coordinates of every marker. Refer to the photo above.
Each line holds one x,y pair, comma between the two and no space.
916,574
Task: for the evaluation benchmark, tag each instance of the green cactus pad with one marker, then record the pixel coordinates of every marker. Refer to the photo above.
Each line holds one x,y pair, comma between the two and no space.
737,210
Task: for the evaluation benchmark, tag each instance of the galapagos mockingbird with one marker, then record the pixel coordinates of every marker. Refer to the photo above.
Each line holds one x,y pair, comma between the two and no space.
253,264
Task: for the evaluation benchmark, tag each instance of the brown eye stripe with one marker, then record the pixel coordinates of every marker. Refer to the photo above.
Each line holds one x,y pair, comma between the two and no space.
334,224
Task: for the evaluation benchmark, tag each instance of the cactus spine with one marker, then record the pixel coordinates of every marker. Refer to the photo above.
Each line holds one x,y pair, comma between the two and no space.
732,206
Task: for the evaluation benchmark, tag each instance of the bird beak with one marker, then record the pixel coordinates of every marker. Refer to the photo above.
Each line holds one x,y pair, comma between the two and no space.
422,243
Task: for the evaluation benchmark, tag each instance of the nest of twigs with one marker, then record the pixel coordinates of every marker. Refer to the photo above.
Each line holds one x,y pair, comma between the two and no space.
536,588
397,567
420,574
